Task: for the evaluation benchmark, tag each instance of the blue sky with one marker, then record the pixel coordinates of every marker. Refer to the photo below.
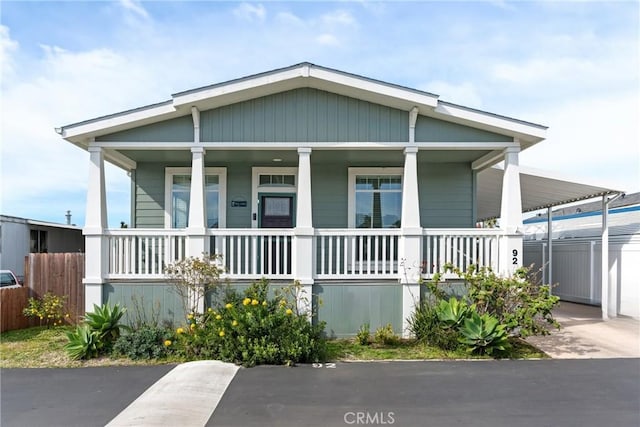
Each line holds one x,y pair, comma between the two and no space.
573,66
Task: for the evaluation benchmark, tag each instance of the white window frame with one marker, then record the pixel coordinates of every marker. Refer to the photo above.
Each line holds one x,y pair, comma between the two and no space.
222,192
353,173
256,188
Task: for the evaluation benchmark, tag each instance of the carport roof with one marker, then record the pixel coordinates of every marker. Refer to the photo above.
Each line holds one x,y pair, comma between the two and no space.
540,189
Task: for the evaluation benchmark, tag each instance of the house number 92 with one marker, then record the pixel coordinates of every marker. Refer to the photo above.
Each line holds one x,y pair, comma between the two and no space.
515,256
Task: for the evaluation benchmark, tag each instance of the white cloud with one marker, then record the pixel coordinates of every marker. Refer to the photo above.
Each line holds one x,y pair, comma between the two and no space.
250,12
135,7
7,48
338,18
327,40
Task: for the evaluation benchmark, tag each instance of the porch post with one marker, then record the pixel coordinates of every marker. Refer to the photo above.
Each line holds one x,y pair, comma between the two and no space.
196,228
303,253
510,250
96,250
411,238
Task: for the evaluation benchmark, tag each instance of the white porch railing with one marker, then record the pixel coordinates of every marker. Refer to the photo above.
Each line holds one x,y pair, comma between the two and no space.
356,253
338,253
141,252
460,247
254,253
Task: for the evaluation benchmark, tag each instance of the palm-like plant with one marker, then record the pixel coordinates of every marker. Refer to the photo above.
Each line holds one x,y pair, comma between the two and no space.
105,321
83,343
484,334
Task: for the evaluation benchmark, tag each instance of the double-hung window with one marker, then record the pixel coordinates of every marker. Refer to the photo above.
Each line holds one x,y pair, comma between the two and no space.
375,197
178,191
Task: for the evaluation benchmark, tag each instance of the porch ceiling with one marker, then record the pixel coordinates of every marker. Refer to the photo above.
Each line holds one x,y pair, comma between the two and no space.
540,189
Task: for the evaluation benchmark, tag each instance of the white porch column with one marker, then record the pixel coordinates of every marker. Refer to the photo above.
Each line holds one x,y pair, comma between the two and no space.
303,254
510,250
96,250
411,239
196,228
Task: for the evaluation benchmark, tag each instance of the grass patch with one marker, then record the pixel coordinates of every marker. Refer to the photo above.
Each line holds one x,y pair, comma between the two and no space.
349,350
40,347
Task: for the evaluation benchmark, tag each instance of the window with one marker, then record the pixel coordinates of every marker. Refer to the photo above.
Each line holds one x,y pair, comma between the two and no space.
179,194
285,180
375,197
38,241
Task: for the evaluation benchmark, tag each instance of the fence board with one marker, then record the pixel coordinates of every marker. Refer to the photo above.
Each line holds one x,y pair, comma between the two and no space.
12,301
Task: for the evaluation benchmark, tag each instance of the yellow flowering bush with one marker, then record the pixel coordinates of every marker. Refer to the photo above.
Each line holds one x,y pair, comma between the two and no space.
252,332
49,309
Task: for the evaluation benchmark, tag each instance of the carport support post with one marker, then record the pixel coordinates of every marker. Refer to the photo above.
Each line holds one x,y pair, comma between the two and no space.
510,250
95,224
550,241
608,304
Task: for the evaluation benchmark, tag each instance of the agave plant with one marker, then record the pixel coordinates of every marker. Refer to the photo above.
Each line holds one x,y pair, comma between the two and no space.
84,343
105,321
452,313
484,334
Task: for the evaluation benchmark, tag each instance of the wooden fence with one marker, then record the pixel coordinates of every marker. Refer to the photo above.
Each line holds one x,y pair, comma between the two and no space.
59,273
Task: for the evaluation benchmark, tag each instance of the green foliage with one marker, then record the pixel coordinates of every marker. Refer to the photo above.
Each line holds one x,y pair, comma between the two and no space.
519,304
105,322
253,329
146,342
425,325
483,334
194,279
49,309
84,343
384,335
364,334
452,313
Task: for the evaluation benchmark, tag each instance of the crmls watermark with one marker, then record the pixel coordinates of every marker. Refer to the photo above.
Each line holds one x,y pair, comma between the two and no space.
370,418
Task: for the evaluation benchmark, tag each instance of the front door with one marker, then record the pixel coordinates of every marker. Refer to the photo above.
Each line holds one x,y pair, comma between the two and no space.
276,211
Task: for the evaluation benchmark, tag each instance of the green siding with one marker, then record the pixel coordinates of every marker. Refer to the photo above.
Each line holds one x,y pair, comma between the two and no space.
239,188
173,130
433,130
347,307
446,195
146,301
303,115
149,196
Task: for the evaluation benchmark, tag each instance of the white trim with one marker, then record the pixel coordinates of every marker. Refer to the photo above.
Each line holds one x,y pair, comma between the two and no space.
256,188
353,172
383,145
222,182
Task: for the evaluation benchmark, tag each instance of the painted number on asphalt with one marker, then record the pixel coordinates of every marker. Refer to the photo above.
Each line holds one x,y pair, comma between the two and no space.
324,365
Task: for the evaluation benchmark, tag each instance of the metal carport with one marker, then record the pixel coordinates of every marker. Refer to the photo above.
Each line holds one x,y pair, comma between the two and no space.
544,190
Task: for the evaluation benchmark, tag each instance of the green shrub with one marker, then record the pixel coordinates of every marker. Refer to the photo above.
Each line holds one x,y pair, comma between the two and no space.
384,335
84,343
523,307
253,329
146,342
452,313
364,334
105,321
49,309
426,327
484,334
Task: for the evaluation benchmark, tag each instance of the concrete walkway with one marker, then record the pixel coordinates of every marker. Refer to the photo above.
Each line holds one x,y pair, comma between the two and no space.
584,335
186,396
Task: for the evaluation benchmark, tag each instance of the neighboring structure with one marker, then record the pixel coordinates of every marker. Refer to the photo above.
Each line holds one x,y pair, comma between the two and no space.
20,236
577,247
353,186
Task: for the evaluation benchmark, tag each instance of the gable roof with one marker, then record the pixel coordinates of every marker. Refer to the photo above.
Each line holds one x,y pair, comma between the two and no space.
298,76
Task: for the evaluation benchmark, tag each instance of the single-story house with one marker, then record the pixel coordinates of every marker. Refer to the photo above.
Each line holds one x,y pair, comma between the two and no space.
355,187
21,236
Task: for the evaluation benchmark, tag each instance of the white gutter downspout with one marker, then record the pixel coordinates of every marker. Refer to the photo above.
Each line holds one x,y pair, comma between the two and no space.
609,294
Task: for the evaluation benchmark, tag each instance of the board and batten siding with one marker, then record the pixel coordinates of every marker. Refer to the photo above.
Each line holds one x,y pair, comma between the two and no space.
446,192
302,115
149,195
146,300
